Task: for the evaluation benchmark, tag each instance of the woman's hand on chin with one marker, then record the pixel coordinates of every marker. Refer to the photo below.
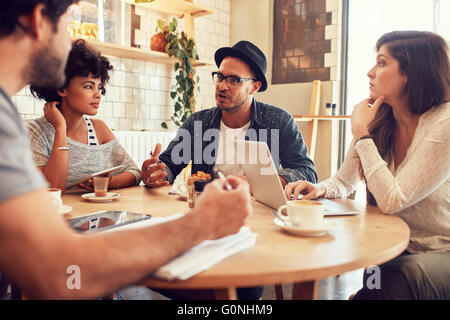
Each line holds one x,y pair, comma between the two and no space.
362,116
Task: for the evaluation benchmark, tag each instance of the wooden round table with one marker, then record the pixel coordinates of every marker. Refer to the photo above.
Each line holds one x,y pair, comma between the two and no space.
353,242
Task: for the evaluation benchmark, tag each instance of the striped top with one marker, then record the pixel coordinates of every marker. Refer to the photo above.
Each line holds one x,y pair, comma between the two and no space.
418,190
84,159
92,136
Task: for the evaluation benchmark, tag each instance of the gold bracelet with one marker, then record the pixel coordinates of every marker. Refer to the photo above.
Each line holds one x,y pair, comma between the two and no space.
62,148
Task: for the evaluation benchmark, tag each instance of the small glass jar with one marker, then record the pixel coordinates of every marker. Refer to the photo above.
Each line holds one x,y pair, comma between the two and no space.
328,109
195,187
191,192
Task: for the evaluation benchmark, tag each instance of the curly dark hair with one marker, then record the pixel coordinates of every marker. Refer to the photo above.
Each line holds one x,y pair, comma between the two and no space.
11,10
83,60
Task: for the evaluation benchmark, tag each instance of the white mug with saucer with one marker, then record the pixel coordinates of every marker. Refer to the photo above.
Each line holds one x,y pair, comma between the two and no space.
304,217
55,194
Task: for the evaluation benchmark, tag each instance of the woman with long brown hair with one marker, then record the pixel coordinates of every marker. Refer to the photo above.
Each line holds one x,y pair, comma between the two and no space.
401,148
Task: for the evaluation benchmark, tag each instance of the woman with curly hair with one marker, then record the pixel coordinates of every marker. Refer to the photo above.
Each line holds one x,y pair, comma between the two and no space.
67,145
401,146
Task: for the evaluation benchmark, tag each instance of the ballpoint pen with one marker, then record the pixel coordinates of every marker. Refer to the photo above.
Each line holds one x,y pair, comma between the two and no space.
222,177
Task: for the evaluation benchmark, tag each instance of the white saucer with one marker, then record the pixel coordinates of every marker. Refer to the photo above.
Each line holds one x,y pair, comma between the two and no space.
110,196
65,209
298,231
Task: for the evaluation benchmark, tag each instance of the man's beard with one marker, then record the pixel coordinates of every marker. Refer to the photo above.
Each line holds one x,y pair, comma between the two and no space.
46,69
236,107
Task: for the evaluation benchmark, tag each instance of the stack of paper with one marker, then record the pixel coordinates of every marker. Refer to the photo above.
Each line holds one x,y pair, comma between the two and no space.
200,257
205,255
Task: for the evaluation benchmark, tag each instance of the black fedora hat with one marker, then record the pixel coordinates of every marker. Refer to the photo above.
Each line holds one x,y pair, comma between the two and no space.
248,52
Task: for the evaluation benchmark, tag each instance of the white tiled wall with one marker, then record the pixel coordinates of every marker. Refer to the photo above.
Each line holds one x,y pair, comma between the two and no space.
333,32
138,94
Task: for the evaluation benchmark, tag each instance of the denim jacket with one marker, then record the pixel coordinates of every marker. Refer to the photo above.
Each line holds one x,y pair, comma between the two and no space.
281,135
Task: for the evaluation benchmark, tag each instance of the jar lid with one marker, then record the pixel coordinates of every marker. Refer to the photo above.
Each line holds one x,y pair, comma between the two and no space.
199,185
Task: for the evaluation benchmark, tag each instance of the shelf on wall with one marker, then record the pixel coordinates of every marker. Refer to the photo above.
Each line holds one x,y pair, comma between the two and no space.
116,50
174,7
319,117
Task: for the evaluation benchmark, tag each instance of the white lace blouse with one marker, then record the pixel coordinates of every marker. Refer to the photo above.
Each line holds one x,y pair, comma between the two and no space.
418,190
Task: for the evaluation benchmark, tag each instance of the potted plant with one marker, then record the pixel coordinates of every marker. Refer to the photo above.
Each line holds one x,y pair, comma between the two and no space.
182,47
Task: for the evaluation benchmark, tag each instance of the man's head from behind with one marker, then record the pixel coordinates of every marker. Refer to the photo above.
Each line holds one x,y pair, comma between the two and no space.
12,10
241,74
45,22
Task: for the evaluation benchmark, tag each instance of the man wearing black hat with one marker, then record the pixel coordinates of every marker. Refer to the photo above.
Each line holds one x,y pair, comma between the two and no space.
238,115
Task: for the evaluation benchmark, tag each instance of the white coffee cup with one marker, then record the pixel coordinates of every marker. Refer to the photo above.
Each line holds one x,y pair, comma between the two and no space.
306,214
55,194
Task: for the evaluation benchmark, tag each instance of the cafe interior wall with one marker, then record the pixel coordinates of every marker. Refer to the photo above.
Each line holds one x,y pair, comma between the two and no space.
295,97
138,93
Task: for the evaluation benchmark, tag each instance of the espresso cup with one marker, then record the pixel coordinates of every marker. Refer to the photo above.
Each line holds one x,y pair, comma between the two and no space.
101,186
55,194
306,214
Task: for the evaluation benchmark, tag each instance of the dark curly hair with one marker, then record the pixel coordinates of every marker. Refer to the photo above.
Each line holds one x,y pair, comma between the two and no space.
83,60
11,10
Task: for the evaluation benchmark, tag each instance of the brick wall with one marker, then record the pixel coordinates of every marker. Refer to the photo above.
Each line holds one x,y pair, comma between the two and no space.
305,40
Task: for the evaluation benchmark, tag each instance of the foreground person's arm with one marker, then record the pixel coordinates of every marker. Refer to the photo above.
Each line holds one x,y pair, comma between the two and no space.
37,246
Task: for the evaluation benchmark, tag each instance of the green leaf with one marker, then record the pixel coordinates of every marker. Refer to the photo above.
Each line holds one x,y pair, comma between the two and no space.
180,54
172,51
173,94
164,125
175,22
194,54
188,66
190,45
178,123
161,24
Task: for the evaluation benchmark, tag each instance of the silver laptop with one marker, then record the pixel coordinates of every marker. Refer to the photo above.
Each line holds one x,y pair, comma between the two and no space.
265,183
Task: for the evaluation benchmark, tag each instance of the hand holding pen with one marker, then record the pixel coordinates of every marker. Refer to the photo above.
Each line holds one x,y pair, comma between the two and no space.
222,177
225,203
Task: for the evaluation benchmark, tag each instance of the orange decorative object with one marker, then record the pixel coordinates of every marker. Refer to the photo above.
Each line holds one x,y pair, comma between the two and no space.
89,31
158,42
74,29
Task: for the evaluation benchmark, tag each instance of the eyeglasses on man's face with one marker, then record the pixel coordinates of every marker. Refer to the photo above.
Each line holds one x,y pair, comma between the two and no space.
231,81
